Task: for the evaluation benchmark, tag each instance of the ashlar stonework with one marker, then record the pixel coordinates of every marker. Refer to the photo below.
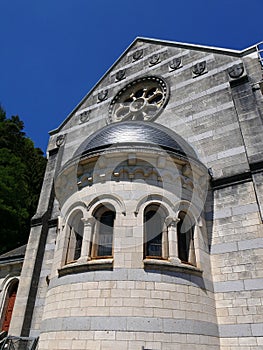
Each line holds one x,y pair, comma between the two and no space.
148,232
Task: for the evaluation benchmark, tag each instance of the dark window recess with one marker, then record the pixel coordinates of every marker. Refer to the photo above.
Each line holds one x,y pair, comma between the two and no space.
153,225
78,246
103,243
185,237
10,301
75,232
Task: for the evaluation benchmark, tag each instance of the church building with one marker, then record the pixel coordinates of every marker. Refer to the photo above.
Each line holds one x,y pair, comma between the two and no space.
148,233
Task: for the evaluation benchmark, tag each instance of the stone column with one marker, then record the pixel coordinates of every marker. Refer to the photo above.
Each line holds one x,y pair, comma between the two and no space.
87,237
172,239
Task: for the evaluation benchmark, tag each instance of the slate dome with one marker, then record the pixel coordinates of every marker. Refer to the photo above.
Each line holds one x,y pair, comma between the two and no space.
136,133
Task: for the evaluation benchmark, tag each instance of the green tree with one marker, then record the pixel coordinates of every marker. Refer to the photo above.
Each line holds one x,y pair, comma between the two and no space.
22,167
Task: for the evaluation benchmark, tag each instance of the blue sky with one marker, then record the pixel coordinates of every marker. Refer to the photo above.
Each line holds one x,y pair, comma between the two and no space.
52,52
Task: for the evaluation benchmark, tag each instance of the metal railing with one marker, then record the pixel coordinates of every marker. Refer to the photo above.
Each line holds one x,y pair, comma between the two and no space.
19,343
259,47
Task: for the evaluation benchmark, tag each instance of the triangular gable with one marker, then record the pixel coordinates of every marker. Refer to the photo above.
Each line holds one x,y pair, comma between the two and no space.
140,41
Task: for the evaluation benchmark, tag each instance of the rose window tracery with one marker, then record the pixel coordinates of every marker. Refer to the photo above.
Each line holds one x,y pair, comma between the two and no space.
142,99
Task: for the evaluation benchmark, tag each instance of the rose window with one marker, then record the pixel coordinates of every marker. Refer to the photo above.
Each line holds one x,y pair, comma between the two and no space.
142,99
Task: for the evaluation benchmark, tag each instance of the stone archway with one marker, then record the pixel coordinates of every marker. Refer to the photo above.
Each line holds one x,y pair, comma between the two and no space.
9,305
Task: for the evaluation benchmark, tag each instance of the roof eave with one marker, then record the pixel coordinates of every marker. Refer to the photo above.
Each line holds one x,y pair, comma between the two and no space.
54,131
200,47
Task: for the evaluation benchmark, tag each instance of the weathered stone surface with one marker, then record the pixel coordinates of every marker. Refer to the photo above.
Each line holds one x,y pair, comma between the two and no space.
134,301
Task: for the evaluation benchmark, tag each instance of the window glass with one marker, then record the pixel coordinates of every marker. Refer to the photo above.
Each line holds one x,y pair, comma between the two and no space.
153,226
185,230
105,234
74,237
102,245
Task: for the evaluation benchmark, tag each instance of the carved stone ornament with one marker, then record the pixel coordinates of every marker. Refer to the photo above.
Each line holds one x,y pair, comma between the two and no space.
120,75
175,63
137,55
60,139
236,71
102,95
90,221
84,117
154,59
199,68
142,99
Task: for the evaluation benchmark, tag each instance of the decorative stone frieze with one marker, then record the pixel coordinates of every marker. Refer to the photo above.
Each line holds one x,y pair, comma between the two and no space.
137,55
60,140
175,63
236,71
154,59
120,75
84,116
102,95
199,69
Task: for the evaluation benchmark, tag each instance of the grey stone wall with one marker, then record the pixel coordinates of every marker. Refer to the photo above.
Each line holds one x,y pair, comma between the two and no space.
221,117
237,255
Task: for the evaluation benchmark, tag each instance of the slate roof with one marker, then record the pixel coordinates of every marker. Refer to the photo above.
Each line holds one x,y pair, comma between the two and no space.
134,133
17,253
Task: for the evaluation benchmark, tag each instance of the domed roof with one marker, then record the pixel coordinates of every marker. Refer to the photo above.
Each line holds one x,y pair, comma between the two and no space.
136,133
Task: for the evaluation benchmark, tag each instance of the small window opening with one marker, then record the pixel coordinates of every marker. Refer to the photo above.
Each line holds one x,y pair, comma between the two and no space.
154,218
9,305
75,232
185,238
103,235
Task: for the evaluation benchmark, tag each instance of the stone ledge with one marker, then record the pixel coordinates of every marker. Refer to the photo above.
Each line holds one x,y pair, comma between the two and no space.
238,285
79,267
130,324
235,330
141,274
166,265
231,247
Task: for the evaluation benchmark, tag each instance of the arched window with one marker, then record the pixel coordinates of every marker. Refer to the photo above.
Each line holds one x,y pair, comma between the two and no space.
75,231
9,305
185,239
155,232
102,246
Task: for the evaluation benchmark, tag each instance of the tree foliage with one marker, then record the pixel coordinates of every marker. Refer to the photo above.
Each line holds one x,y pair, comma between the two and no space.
22,168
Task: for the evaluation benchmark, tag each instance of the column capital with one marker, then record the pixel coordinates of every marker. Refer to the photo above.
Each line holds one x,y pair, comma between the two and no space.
88,221
171,221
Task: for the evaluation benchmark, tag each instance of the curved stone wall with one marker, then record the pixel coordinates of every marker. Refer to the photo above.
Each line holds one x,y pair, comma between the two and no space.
125,307
129,301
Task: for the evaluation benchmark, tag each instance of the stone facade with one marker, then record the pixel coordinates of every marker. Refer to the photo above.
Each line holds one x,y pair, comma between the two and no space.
10,269
172,134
